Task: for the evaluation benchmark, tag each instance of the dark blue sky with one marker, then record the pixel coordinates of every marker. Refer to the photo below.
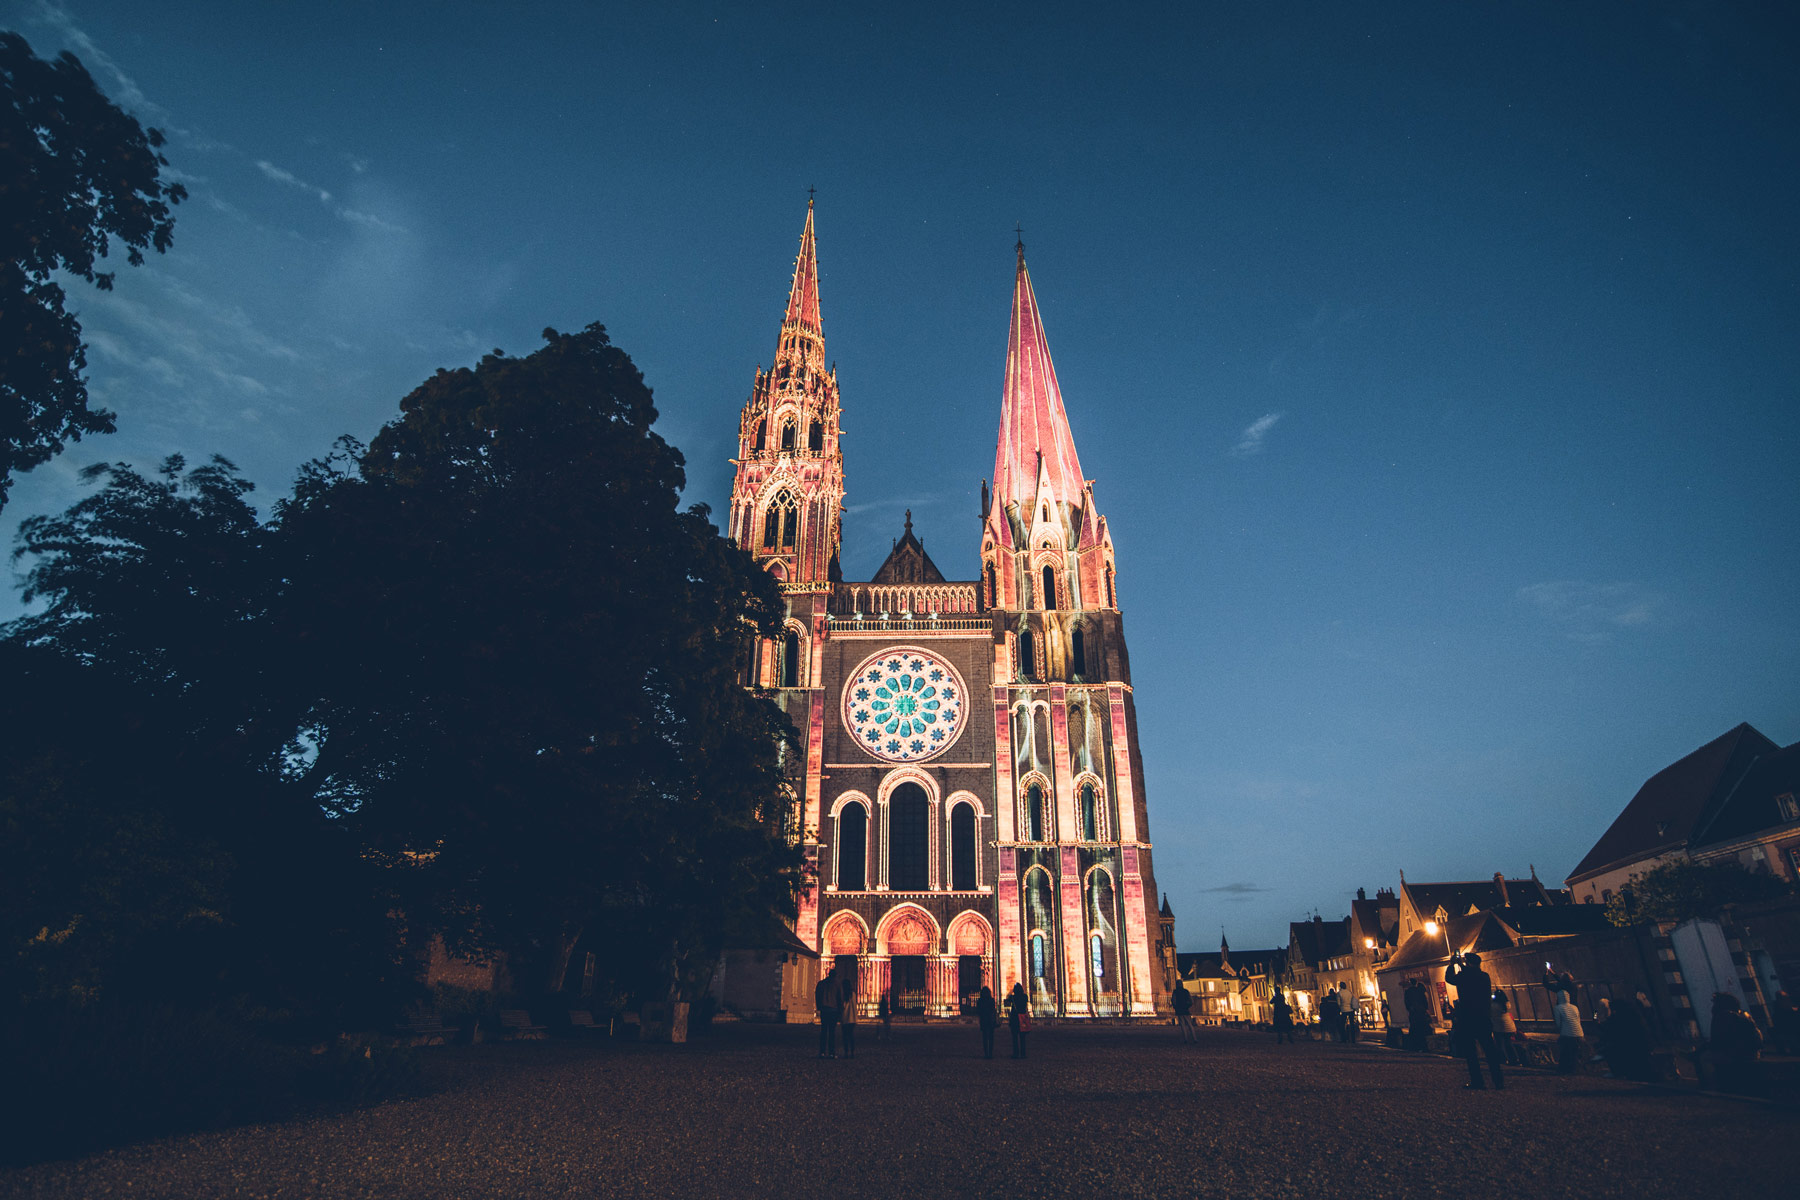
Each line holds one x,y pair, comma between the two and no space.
1437,363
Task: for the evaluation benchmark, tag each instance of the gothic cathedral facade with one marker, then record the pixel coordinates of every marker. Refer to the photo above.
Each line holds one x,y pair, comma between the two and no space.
972,796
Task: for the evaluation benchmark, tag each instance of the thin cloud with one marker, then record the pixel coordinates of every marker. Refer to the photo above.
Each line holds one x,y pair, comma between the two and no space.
125,90
1238,889
292,180
1251,440
1592,612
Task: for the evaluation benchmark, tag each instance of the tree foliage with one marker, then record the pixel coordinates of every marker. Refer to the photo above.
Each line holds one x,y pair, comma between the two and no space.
76,172
1682,890
523,655
480,676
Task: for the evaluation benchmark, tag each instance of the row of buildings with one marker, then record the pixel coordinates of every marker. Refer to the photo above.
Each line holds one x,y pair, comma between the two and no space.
1732,800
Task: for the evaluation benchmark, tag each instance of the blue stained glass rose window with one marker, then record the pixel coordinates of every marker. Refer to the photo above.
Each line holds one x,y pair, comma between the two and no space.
911,708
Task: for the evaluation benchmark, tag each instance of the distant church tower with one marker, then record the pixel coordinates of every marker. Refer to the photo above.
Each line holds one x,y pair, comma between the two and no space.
971,800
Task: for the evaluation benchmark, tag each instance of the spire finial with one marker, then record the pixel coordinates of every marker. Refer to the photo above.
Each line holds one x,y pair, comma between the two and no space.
809,196
1019,233
909,520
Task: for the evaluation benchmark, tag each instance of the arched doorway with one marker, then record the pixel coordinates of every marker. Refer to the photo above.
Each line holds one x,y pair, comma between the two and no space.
910,940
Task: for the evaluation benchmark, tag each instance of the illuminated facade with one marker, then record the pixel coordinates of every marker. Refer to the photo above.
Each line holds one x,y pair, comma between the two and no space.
972,799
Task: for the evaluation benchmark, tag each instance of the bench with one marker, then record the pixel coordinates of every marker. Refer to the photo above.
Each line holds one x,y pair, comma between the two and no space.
582,1021
427,1029
515,1025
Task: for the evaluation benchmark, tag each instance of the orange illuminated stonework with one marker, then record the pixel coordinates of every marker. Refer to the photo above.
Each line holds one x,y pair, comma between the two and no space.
971,793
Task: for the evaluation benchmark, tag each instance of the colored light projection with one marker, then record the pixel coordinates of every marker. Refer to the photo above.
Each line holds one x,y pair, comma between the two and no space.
905,705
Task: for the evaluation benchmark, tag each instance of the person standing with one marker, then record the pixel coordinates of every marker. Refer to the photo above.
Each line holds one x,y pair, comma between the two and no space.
828,998
1346,1014
1569,1043
1506,1029
847,1022
1471,1024
1418,1015
1284,1019
1184,1005
1785,1016
1018,1018
884,1009
1329,1015
987,1015
1736,1045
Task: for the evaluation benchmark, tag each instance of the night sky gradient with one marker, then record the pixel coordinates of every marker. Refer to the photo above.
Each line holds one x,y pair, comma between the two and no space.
1436,363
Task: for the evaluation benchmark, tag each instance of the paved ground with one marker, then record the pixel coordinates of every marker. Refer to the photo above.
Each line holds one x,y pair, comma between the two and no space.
1116,1112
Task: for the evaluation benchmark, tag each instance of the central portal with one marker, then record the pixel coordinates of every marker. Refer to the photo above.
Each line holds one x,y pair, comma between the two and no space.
909,984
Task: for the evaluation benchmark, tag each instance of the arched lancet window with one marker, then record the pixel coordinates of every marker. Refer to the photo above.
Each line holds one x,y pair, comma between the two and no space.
1035,824
1102,930
780,520
993,586
1112,599
815,437
962,847
787,435
853,848
1037,960
790,660
790,528
1077,652
1027,655
1049,586
1090,814
762,435
909,837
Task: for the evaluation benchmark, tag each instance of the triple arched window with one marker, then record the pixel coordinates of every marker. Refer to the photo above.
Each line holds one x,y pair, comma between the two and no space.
962,847
853,848
909,839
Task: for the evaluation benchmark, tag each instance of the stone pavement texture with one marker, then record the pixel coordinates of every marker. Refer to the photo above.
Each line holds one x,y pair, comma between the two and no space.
748,1111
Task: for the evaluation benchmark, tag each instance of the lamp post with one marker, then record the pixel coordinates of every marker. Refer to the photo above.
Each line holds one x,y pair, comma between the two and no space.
1432,929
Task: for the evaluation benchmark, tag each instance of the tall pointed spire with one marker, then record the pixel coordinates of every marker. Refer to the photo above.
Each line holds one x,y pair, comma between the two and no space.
1033,425
803,300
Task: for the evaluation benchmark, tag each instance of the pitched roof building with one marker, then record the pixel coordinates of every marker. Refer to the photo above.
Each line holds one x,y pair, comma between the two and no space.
1668,811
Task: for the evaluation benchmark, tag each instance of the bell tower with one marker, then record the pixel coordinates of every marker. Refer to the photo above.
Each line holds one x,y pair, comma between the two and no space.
787,503
1078,918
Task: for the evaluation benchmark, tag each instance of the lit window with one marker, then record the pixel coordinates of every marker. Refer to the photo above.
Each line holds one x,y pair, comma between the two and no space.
1790,809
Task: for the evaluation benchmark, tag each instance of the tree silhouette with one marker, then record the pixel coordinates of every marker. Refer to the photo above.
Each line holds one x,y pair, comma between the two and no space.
523,656
75,173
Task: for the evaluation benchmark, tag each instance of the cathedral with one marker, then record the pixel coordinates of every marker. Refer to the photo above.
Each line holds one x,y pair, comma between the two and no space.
971,800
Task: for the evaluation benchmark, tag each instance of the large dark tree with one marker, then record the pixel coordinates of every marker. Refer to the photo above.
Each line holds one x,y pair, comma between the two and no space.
155,843
523,654
76,172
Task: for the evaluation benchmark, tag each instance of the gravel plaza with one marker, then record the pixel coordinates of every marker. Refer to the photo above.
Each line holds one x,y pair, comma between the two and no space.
750,1111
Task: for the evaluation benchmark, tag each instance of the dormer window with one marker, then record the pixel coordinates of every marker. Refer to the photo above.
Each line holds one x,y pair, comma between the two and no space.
1788,807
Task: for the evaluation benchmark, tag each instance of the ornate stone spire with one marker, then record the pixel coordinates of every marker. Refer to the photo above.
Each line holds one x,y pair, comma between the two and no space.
803,300
1033,426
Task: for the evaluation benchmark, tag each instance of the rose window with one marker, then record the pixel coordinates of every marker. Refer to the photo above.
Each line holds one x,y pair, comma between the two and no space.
905,705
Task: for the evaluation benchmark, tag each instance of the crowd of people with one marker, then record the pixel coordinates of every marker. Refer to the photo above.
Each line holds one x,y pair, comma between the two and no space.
1482,1025
1619,1034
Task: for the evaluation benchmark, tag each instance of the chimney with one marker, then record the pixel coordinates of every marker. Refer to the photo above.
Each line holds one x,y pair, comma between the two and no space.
1361,894
1500,886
